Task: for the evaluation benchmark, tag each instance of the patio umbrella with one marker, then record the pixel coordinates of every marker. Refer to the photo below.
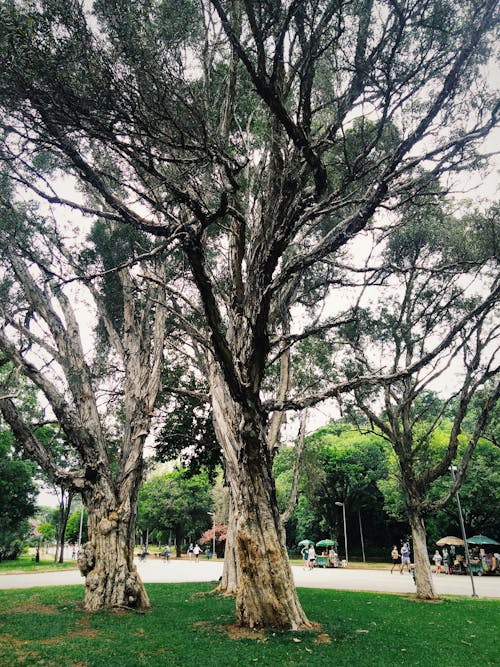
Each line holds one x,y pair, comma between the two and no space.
450,541
482,539
306,543
326,543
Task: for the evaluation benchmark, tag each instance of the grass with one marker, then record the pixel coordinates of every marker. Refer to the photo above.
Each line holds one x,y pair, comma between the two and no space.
26,564
46,626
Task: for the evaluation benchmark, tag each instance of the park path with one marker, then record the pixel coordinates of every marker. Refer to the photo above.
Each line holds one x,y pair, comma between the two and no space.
155,571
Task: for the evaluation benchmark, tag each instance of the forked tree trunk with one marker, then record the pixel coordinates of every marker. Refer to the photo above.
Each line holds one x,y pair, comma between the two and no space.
106,560
423,572
266,594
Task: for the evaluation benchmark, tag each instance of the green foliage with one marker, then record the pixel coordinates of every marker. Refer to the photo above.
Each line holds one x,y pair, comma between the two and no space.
17,498
73,527
187,432
176,501
340,464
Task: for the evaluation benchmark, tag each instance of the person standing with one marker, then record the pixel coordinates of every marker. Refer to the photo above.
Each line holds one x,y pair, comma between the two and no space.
196,552
190,551
438,559
405,557
305,555
311,557
394,557
445,560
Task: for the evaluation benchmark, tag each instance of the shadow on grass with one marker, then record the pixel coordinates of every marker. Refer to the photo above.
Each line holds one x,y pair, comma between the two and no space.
48,627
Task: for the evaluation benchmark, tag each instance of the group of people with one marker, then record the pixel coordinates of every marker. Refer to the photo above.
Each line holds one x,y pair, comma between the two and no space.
194,551
402,559
309,555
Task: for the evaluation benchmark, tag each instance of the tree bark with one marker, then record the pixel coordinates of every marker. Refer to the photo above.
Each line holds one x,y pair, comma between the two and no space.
266,594
106,560
64,509
228,584
423,573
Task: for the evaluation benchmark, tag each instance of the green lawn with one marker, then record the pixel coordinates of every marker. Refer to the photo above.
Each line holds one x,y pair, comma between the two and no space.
45,626
26,564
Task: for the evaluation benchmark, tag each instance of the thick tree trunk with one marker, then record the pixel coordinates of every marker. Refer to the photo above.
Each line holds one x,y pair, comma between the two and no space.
266,594
106,560
423,573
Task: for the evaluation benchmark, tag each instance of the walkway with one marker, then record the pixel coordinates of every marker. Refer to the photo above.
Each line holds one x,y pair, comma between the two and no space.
155,571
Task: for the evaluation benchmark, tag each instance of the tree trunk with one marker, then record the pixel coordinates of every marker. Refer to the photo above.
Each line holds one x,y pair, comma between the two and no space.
423,573
178,540
64,510
266,595
106,560
228,584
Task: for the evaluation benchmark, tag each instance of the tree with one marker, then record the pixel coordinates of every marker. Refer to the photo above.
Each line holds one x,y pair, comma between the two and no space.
339,465
430,268
17,498
75,520
105,415
64,457
227,128
175,502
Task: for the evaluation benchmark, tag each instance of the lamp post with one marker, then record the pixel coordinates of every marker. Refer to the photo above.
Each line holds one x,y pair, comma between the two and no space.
345,530
212,514
361,535
464,537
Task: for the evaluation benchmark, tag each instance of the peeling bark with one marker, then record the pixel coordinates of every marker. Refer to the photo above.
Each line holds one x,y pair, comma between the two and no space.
106,561
265,594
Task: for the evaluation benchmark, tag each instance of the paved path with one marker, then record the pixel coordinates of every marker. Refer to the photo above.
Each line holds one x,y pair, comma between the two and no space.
154,571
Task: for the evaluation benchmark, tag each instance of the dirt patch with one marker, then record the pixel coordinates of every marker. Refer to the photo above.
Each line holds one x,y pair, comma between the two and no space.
11,641
33,605
237,632
424,601
82,629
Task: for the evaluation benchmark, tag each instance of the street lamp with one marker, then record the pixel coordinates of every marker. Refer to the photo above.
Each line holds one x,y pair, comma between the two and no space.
361,535
212,514
339,504
462,528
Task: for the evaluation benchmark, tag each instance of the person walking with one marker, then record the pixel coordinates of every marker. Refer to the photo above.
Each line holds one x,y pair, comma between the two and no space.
196,552
405,557
395,557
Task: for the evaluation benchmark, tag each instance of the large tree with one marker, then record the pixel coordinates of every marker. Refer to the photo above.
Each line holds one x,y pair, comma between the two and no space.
261,137
438,277
103,403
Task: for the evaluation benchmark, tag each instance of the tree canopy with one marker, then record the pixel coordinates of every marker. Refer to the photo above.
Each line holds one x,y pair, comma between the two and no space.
256,142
